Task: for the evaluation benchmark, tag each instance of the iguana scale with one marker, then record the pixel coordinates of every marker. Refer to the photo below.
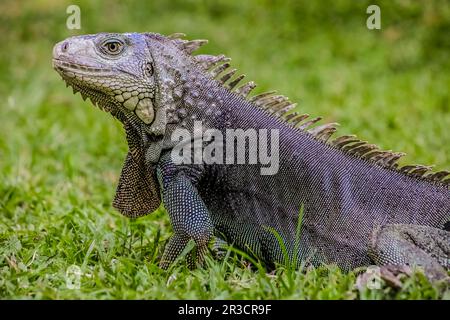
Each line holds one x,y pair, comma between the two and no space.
359,206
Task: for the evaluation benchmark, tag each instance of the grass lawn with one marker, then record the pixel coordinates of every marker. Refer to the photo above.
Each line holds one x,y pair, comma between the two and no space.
60,157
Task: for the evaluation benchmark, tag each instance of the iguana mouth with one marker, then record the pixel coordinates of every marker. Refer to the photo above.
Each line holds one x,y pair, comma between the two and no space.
98,98
70,71
71,68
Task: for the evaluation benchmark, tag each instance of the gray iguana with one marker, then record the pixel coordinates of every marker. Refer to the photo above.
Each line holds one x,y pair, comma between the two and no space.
360,206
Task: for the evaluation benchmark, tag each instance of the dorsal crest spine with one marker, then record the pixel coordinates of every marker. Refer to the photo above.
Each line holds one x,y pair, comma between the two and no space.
219,68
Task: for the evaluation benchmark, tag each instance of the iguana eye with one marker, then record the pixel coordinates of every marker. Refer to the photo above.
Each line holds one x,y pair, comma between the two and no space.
113,47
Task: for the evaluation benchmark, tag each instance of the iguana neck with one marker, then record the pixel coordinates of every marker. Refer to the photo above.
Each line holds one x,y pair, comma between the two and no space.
199,99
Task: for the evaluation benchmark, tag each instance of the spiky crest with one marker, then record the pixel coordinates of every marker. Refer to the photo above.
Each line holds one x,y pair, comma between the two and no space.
218,67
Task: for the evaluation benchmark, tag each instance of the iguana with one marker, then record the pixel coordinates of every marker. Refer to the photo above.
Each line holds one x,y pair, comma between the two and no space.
359,206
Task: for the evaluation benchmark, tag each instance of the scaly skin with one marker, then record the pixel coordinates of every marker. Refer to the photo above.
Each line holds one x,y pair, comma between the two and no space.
359,207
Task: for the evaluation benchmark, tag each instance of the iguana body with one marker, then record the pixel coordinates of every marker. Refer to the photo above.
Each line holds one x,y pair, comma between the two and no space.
360,207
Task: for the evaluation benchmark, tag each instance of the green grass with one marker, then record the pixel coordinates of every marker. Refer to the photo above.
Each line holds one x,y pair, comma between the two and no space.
60,157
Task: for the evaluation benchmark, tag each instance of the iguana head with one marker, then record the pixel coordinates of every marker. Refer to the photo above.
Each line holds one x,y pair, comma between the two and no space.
135,76
114,70
132,76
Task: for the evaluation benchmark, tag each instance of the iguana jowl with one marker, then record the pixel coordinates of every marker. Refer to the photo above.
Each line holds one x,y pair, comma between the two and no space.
360,207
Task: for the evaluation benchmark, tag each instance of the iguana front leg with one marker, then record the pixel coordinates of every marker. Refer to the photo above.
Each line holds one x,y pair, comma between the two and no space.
404,244
189,218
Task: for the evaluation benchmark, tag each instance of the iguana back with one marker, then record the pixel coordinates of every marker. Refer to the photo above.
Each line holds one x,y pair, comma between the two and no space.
345,196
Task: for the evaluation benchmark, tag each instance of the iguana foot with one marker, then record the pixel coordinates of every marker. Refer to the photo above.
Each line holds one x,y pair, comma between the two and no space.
219,247
173,249
390,274
402,245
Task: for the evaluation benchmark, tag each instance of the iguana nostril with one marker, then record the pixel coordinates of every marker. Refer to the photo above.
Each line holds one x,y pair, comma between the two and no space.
65,46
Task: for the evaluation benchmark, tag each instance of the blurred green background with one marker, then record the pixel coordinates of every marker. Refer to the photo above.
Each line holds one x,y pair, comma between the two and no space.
60,157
